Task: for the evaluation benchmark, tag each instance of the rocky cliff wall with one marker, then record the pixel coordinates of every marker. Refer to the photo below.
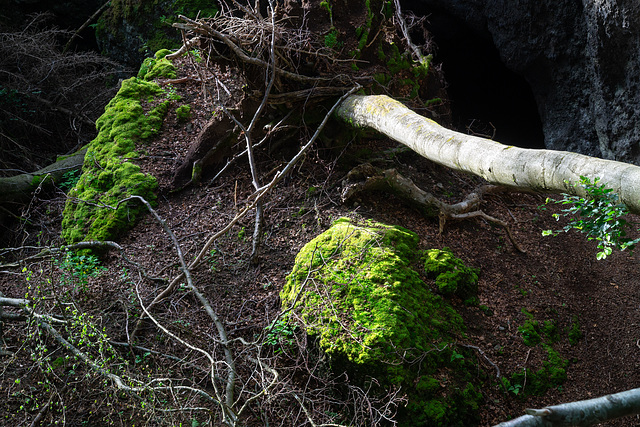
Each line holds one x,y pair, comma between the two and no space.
580,57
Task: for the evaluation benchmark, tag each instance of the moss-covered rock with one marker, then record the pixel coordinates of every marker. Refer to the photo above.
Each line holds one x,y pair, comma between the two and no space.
108,173
354,289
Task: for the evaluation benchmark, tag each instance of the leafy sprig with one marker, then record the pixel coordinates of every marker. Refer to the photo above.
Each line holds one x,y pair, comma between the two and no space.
599,214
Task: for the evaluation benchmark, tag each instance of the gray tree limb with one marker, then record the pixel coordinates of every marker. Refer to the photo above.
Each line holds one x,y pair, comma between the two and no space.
581,413
544,171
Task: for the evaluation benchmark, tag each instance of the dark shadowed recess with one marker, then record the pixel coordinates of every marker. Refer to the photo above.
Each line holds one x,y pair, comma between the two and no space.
484,94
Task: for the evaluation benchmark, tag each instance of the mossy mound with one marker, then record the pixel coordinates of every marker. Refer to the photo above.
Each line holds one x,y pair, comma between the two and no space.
108,174
354,289
158,66
451,275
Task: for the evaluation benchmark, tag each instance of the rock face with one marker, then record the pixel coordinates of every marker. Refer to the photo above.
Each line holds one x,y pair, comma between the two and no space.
580,58
131,30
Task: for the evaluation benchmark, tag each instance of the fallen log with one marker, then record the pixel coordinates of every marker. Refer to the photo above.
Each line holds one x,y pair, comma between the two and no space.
20,188
544,171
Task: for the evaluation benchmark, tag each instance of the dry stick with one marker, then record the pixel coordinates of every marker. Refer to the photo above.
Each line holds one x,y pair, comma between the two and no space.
479,350
89,244
115,378
85,25
186,45
222,333
226,409
25,305
405,33
493,220
237,156
185,271
224,340
45,408
308,414
405,187
180,360
266,389
257,231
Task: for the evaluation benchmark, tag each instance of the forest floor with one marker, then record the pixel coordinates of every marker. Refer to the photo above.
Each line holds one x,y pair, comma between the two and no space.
557,279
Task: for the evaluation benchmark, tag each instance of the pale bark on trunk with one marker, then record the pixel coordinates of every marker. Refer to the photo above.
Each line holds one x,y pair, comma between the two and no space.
543,171
582,413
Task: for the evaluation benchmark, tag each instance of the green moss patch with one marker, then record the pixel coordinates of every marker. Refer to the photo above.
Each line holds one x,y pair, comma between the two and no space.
158,66
108,173
527,381
553,371
451,275
183,113
354,289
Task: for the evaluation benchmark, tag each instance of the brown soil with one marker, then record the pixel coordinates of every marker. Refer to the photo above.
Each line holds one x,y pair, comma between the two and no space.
558,278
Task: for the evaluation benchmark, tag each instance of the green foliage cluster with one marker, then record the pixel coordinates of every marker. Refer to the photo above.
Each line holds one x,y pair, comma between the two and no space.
451,275
280,334
108,174
355,290
331,39
52,367
600,215
400,63
77,269
69,180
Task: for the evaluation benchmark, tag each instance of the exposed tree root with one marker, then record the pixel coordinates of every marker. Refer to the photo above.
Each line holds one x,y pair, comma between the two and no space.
367,178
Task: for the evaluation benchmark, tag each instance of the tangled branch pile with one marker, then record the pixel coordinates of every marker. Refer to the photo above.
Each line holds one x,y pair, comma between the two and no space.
49,100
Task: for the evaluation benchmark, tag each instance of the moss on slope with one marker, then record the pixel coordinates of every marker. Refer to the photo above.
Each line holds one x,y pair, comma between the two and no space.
108,174
375,317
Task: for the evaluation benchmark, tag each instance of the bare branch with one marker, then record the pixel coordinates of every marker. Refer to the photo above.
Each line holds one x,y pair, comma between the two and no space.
581,413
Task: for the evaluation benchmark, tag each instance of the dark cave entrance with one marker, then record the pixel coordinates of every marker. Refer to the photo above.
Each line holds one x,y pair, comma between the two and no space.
484,94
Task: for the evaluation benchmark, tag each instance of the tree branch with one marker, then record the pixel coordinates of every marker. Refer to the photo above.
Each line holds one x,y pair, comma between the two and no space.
581,413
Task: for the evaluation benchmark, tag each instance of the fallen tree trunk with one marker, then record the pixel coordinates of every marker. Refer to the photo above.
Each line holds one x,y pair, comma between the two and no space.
543,171
19,188
582,413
